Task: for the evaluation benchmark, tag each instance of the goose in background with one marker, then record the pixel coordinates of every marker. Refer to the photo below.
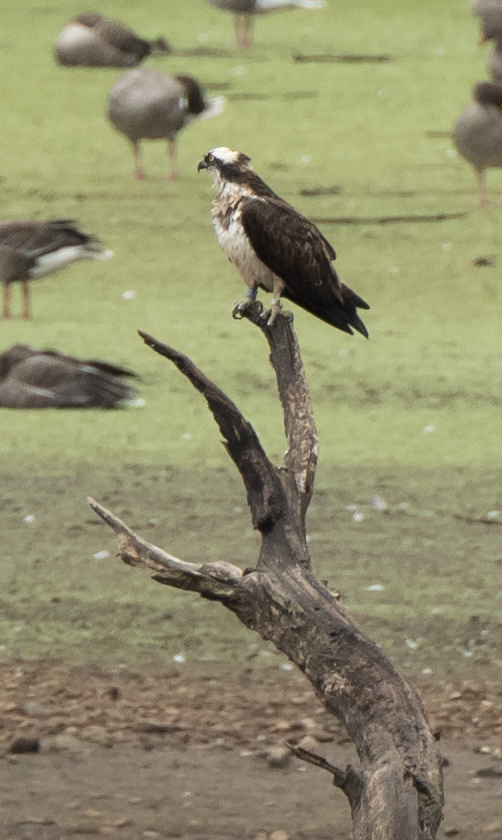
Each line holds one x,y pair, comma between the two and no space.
47,379
32,249
482,7
245,10
490,14
90,40
478,132
147,104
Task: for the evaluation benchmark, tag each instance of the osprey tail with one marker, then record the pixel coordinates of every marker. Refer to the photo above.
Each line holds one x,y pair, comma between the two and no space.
351,303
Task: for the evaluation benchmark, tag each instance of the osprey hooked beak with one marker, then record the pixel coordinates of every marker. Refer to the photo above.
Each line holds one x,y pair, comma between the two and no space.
202,165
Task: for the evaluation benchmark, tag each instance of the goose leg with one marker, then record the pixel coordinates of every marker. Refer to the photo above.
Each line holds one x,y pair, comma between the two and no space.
247,40
26,300
243,31
6,300
139,172
237,30
481,180
173,160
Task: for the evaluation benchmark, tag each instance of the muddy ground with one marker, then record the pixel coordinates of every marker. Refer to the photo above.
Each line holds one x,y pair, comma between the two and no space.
178,753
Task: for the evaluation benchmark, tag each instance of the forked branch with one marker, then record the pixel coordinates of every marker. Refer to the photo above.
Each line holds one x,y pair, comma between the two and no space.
397,792
212,580
264,491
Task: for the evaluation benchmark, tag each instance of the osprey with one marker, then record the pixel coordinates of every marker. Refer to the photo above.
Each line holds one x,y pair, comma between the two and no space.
275,247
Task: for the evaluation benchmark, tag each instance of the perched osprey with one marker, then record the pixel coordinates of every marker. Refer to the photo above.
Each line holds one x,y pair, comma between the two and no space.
274,247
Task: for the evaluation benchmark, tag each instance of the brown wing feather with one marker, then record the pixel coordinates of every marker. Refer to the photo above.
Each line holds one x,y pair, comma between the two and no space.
293,248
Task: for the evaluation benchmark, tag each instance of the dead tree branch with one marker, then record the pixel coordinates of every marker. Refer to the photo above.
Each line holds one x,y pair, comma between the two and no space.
212,580
265,496
396,794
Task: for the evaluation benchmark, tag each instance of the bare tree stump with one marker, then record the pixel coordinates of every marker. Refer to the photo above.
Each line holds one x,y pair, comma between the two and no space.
396,793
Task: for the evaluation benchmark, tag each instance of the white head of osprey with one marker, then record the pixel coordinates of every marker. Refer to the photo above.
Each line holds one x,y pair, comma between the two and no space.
224,154
276,248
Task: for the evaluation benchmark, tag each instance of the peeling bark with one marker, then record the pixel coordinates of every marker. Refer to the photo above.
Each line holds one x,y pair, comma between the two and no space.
396,793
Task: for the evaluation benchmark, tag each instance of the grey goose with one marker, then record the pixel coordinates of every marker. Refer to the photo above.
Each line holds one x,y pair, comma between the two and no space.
90,40
478,132
33,249
490,14
147,104
245,11
48,379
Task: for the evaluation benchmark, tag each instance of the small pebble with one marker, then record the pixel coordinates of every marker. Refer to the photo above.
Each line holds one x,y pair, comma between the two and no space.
24,745
278,756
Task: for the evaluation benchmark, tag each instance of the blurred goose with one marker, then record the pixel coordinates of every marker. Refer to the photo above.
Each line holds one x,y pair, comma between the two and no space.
89,40
148,104
482,7
478,132
48,379
32,249
490,13
245,10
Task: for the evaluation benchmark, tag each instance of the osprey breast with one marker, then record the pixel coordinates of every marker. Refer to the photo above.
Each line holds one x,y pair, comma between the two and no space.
234,241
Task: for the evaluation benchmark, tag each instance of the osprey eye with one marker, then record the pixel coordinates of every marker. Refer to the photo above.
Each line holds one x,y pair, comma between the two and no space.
210,158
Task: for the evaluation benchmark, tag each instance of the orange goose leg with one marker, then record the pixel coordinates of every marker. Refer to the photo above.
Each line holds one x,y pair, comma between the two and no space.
481,179
6,300
237,30
243,31
173,159
26,300
247,40
139,172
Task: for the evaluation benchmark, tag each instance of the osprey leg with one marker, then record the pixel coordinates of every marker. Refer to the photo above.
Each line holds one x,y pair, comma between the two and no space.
241,305
275,304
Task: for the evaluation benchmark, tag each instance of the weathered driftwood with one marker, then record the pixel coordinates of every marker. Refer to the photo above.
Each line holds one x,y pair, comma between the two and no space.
396,793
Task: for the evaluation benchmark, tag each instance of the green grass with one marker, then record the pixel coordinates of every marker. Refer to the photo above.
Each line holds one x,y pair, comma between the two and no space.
433,359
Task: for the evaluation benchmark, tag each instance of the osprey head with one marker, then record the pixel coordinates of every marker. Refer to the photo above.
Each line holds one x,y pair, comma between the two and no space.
225,164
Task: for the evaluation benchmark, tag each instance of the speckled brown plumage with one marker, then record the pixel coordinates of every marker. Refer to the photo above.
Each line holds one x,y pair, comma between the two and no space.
276,248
